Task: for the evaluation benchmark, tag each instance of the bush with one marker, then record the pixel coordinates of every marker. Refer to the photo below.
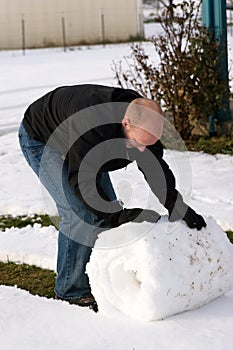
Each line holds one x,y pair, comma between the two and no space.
187,80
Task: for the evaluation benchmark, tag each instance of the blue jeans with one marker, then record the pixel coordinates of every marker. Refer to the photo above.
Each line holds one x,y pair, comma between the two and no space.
78,227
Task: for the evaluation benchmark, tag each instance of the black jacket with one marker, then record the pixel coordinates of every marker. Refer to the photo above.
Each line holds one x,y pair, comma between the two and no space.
83,123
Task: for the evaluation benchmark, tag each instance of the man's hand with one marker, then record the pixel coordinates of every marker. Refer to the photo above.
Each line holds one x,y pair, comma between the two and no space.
184,212
127,215
194,220
138,215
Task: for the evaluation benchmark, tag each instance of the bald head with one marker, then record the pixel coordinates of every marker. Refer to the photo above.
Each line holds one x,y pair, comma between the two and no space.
147,103
145,114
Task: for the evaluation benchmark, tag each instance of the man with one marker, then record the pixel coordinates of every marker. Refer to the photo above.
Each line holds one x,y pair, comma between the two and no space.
72,137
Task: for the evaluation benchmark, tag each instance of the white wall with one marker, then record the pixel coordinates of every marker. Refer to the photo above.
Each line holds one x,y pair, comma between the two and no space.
83,20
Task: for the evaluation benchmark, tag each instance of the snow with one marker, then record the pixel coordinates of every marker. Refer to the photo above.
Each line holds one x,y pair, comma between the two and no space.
28,321
182,269
35,246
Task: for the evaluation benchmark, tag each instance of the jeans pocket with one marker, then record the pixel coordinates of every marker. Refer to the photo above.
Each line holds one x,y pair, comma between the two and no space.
32,154
25,153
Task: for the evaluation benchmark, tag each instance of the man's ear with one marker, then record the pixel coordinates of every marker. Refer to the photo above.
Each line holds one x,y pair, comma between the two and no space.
125,122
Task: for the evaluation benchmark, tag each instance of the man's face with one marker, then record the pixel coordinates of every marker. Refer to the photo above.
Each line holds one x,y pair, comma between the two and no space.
138,138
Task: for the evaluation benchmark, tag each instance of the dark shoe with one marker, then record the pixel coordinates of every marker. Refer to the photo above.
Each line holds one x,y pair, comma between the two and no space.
87,300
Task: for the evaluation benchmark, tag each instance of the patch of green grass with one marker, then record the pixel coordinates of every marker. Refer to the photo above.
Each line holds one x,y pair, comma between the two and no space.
230,235
31,278
8,221
211,145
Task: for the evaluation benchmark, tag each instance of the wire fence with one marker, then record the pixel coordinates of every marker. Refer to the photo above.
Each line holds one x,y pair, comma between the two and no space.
65,29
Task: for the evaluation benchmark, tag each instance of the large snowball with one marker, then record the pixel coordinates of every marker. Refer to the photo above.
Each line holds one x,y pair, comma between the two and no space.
167,270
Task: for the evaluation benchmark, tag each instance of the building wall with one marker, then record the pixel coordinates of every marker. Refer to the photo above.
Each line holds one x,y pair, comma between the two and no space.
51,22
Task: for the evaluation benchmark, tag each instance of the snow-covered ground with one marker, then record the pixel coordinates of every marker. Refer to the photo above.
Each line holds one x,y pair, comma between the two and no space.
29,322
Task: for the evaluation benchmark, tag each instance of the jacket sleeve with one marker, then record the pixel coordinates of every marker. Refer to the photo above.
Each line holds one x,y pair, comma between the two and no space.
162,181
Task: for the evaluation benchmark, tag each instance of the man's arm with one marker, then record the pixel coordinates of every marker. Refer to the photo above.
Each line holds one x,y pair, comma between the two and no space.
162,182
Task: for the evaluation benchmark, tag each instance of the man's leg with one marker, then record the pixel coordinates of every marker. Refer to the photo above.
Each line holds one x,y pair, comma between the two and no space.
78,227
74,249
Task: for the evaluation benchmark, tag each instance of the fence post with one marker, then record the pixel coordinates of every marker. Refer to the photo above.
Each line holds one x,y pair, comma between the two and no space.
23,35
140,24
103,28
63,32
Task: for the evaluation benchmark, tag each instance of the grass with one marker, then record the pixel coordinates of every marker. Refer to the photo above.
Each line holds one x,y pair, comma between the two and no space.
8,221
211,145
230,235
31,278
